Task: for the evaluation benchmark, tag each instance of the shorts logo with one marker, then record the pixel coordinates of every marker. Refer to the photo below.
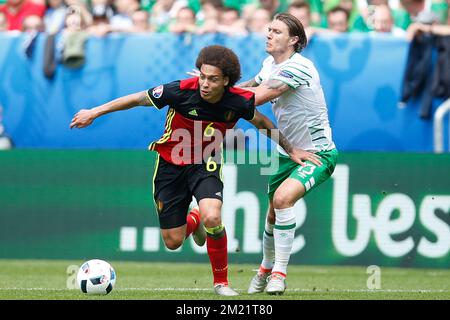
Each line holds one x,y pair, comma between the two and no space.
160,205
158,91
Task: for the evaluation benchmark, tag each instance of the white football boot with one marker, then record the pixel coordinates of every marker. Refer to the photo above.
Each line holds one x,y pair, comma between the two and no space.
224,290
258,283
276,284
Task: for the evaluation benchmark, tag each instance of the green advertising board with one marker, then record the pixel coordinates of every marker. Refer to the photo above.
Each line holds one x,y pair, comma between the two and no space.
388,209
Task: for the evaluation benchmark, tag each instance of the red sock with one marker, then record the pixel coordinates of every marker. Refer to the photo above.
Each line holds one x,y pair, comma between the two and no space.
280,273
192,221
263,270
218,256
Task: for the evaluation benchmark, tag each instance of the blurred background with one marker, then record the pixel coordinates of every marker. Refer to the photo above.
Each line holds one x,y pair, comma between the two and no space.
79,194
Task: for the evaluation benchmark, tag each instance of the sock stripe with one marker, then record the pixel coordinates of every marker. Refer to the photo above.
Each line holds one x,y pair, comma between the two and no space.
287,227
216,232
280,273
263,270
216,229
268,234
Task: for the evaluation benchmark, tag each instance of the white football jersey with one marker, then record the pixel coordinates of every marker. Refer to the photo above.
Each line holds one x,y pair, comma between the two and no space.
301,112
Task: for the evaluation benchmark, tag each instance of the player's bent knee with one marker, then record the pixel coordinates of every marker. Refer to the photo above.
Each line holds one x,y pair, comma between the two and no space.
173,244
212,221
173,241
281,201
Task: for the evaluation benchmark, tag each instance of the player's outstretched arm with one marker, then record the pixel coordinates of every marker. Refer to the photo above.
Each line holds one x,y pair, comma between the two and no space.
269,90
85,117
260,121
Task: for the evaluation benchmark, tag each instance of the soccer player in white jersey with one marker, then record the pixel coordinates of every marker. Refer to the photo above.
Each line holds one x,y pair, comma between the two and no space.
291,82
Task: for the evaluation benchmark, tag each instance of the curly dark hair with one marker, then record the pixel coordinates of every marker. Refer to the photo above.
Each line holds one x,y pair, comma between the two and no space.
295,29
224,59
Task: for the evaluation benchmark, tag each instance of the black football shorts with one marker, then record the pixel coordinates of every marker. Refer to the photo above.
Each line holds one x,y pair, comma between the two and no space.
175,185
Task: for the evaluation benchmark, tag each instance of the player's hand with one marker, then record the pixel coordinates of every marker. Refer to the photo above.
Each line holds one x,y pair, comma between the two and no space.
194,73
300,156
82,119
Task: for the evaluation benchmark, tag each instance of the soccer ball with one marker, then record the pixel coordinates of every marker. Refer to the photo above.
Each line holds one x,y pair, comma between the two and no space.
96,277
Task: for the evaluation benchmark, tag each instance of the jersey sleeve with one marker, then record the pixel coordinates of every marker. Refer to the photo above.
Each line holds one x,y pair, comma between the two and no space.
264,72
294,75
259,77
249,110
165,94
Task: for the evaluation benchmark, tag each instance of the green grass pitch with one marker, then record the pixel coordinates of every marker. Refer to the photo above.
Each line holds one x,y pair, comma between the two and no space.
48,280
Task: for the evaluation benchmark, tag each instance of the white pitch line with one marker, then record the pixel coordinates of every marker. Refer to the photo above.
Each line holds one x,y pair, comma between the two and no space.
210,289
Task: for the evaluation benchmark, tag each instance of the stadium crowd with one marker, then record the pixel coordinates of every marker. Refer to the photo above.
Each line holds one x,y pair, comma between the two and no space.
233,17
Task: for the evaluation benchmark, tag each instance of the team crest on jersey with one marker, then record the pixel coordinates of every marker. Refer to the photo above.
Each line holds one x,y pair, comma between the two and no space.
229,115
286,74
158,91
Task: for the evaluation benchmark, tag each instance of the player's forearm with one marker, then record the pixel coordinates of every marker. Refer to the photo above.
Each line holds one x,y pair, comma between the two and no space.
270,130
278,138
85,117
123,103
268,91
284,143
262,95
248,84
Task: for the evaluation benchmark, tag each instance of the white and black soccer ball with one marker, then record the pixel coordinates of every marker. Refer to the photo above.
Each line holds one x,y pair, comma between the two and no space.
96,277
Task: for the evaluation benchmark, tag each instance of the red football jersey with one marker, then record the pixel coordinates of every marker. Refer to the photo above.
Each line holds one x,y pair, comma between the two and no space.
194,128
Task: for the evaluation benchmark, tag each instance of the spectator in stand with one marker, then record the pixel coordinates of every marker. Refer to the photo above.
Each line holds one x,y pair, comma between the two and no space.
82,8
16,11
441,9
208,16
185,21
141,21
101,9
414,11
436,29
71,45
164,12
302,11
3,24
413,7
101,12
259,21
74,21
230,22
363,21
274,6
206,6
54,15
122,20
383,22
337,19
353,8
33,24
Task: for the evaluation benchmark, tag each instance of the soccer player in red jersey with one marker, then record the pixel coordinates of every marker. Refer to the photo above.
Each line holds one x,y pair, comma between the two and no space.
201,109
